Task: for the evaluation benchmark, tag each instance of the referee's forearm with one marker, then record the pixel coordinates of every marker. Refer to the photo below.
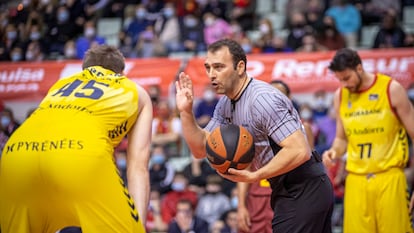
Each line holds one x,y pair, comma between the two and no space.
193,135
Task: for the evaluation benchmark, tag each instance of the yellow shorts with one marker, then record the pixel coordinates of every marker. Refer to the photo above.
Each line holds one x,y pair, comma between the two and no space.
44,192
377,203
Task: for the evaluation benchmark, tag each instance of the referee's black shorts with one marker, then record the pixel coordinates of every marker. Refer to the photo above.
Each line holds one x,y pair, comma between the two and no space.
303,199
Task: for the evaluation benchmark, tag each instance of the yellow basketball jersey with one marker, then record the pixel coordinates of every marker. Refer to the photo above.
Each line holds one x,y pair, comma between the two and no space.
88,113
377,140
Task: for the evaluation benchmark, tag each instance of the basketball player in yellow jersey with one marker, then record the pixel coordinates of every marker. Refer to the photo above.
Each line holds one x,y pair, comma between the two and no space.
57,171
374,117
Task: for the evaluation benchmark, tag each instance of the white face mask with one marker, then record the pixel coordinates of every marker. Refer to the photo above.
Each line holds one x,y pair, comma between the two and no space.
178,186
29,55
264,28
63,16
89,32
234,202
209,95
168,12
16,57
190,22
70,53
5,121
209,21
306,114
140,13
121,162
246,48
11,35
320,103
35,35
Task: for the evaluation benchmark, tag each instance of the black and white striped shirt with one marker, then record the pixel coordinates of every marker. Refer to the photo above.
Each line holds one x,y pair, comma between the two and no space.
263,110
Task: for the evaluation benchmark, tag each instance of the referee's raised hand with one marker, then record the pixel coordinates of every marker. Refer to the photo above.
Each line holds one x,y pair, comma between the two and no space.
185,93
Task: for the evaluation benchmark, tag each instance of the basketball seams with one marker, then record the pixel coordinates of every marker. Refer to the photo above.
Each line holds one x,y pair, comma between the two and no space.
230,146
229,133
244,146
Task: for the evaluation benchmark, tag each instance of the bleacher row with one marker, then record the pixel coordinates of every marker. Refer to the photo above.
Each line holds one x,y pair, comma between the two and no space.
273,10
277,11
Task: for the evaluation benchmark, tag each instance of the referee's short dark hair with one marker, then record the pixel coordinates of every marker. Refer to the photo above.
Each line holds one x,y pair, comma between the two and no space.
235,50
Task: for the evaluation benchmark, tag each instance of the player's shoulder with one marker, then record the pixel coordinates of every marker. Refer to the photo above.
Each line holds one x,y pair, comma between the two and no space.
392,84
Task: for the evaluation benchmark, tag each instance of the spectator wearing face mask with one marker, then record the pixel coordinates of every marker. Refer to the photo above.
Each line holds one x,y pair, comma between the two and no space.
35,34
266,34
34,52
214,202
185,220
7,126
89,39
138,24
161,172
70,50
320,105
306,113
297,28
192,34
310,44
154,221
60,30
16,54
215,28
149,44
205,107
390,34
9,40
167,28
179,191
329,36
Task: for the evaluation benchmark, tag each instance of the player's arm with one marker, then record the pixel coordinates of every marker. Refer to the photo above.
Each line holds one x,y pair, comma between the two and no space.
243,215
339,145
192,133
405,112
402,106
139,143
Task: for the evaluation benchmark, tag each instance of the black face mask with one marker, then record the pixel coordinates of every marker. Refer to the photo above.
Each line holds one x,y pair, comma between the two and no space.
154,98
298,25
212,192
389,30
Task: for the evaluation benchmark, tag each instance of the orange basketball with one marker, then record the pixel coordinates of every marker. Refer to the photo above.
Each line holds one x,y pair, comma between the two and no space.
230,146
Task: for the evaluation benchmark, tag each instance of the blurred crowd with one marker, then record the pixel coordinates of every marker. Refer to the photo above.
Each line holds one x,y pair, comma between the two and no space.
37,30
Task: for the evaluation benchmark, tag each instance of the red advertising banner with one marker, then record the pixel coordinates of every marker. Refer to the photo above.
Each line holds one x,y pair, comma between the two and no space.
308,72
304,72
31,81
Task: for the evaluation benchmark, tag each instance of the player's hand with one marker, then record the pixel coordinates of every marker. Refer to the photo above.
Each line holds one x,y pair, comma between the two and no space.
185,93
329,157
243,218
236,175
